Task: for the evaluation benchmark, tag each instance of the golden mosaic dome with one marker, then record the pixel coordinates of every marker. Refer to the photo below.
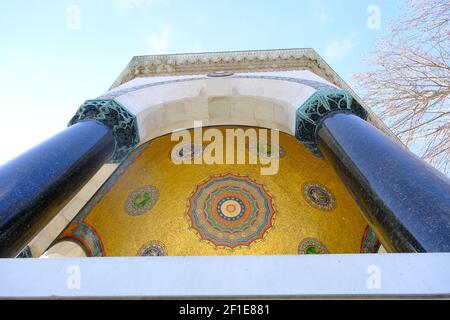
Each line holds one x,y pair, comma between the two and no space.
152,206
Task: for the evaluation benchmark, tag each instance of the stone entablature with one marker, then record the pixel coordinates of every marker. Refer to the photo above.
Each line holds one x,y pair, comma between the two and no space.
233,61
173,65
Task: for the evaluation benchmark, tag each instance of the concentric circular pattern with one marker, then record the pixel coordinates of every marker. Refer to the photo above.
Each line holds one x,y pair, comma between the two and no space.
267,150
311,246
142,200
186,152
231,208
318,196
231,211
153,249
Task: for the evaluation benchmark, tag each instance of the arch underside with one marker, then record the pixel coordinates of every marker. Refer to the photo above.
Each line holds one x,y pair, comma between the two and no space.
253,100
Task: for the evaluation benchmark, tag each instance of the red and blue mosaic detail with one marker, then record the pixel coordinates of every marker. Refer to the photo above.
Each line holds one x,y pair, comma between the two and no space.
86,236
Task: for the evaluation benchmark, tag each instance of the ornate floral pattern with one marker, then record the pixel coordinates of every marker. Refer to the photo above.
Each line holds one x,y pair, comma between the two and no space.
116,117
318,196
311,246
153,249
142,200
317,107
231,211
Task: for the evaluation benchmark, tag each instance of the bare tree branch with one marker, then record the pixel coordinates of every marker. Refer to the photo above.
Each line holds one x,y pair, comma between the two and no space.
409,82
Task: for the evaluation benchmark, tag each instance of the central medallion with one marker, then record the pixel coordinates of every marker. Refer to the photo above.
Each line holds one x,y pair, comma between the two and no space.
231,211
231,208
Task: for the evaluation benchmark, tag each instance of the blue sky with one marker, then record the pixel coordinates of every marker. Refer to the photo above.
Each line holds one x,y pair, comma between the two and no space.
50,64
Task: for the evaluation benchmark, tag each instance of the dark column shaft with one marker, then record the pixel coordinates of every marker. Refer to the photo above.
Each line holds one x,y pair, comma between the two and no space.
40,182
405,200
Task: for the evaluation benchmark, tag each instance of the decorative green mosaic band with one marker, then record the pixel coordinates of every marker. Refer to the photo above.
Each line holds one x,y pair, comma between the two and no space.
316,108
116,117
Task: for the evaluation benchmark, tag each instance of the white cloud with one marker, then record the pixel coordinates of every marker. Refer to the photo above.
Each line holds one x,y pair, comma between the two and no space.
129,4
339,48
158,43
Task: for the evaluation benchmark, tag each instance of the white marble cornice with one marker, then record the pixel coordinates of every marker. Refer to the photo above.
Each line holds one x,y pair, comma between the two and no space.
234,61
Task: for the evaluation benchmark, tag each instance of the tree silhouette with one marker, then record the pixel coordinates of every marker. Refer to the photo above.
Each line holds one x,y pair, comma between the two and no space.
409,82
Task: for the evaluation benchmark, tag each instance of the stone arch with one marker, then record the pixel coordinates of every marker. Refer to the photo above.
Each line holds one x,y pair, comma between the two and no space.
242,100
146,108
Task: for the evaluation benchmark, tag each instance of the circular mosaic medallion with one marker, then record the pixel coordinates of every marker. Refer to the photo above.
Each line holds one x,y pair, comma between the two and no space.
153,249
142,200
186,152
231,211
311,246
318,196
267,150
219,74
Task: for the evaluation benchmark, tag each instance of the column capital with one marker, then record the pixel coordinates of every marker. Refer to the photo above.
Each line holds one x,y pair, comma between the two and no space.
116,117
320,105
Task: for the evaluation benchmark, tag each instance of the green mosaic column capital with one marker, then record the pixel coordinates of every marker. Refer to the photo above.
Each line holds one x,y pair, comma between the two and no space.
320,105
116,117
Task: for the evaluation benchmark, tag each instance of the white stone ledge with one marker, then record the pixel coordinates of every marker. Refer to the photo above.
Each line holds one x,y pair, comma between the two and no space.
400,275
